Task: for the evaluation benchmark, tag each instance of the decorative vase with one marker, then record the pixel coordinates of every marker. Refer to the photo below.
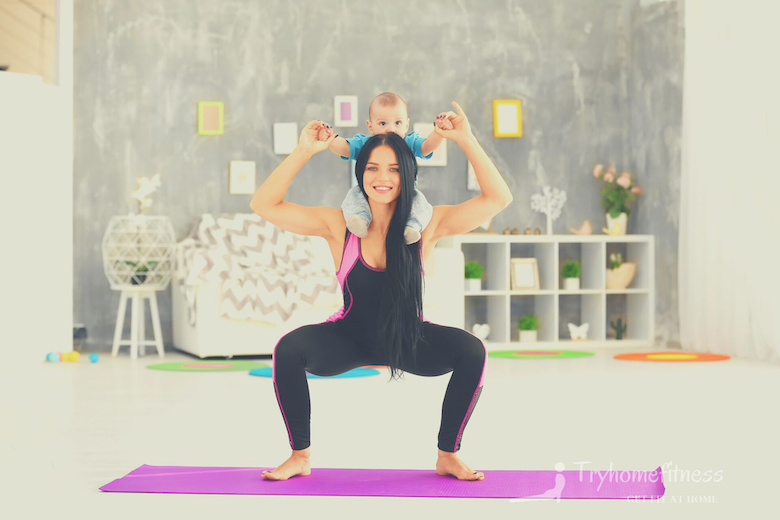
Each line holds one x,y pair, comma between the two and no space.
473,284
527,336
622,220
621,277
138,251
571,284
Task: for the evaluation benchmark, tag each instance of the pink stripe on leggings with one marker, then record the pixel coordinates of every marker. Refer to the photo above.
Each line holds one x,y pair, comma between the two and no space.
278,398
474,396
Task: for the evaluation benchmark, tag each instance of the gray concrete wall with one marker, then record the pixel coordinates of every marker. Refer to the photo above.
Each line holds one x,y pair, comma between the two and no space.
600,80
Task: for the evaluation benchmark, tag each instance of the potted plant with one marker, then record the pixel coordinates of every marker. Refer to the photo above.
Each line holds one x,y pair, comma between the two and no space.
474,276
139,277
620,328
620,273
528,325
571,275
616,197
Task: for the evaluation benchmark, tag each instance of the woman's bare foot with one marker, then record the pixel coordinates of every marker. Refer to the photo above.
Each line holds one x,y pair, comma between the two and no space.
297,464
450,464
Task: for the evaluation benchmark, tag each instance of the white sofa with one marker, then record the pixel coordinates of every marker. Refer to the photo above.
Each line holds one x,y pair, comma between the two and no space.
216,336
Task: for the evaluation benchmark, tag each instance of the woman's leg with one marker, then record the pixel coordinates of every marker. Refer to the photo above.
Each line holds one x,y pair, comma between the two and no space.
322,349
449,349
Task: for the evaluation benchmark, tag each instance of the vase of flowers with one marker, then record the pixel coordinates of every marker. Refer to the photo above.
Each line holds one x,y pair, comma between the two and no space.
138,249
620,274
617,196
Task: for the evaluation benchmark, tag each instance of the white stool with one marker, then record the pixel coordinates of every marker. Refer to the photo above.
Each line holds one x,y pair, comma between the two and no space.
137,325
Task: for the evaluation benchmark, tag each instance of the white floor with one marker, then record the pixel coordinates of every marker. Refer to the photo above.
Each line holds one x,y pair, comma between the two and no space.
66,429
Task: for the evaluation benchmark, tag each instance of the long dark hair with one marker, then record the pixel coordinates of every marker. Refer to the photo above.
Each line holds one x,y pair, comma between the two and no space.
400,321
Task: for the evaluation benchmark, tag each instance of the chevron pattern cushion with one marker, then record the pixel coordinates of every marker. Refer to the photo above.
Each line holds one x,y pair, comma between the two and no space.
265,272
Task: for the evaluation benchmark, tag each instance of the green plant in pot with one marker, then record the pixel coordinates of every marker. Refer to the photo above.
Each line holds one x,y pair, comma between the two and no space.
619,327
473,274
571,275
139,277
528,324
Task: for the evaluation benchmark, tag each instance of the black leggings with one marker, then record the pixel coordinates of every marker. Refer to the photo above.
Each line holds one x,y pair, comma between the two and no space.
325,349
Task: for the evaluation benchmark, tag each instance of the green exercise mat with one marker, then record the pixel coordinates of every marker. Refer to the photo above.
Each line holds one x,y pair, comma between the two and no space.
209,366
538,354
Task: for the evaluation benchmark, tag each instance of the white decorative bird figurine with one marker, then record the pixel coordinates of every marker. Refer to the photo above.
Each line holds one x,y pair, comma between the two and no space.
585,229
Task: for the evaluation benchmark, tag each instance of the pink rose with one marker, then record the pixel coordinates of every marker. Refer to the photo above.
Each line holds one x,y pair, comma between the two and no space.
611,170
624,180
608,177
636,190
597,170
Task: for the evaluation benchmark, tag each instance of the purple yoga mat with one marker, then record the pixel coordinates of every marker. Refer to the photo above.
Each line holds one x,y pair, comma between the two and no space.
393,483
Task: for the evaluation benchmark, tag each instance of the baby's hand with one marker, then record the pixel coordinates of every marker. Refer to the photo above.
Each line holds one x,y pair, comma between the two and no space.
325,132
443,122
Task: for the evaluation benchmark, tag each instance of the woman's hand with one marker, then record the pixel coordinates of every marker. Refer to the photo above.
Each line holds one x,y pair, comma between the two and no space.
461,129
316,137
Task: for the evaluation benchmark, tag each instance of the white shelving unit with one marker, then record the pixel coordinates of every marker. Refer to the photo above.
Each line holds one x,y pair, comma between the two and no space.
501,307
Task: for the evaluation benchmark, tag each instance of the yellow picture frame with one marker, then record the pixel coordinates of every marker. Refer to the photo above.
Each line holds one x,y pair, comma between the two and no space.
507,118
205,118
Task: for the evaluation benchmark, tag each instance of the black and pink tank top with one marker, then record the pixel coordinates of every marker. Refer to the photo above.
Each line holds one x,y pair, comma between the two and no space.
361,286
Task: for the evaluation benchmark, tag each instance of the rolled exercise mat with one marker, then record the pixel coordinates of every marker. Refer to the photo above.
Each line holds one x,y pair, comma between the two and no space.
674,357
393,483
208,366
355,372
539,354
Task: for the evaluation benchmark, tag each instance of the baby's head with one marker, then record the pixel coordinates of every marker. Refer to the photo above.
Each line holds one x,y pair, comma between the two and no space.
387,113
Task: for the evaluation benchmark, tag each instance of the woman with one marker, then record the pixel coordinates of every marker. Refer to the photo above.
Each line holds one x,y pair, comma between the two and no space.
381,279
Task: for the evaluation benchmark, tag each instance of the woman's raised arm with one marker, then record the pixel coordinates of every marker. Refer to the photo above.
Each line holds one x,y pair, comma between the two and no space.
495,196
268,199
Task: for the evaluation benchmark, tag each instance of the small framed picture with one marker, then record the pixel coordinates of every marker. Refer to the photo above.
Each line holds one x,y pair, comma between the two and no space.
525,274
507,118
285,138
345,111
242,177
211,118
439,157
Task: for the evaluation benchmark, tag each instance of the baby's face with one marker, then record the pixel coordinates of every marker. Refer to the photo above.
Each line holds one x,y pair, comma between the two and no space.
388,119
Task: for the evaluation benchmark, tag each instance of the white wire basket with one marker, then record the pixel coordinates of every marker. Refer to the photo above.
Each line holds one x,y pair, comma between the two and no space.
138,252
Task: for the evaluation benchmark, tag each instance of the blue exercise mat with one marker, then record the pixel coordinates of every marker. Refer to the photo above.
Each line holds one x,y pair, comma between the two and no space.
355,372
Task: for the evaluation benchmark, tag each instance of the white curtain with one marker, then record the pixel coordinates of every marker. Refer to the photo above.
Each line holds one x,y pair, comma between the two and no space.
729,241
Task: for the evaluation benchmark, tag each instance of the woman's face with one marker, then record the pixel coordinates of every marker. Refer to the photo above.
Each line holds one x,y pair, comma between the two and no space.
382,171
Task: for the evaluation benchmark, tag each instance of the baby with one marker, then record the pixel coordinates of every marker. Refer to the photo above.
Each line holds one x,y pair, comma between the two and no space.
388,113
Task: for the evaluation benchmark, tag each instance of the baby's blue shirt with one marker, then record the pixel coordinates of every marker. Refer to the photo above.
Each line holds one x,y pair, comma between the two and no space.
413,139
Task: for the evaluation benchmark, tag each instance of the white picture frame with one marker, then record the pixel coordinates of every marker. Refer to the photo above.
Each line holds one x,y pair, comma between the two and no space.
242,177
472,183
345,111
439,157
524,274
285,138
